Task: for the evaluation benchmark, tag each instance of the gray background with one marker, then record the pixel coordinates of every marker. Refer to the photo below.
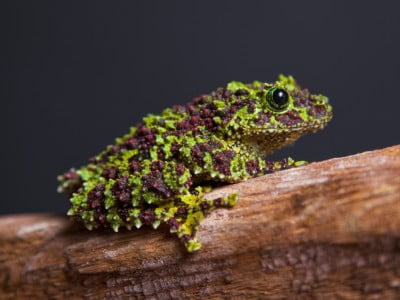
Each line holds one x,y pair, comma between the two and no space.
77,74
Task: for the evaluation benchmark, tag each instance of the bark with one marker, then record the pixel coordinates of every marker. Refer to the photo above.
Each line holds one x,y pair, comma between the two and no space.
327,230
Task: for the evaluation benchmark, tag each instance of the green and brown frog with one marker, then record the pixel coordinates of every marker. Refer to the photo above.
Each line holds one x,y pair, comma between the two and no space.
159,171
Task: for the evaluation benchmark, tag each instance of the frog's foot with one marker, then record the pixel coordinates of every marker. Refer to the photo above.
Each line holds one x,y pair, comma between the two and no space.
286,163
187,218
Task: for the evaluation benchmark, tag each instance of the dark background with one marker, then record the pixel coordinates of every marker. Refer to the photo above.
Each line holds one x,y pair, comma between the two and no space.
77,74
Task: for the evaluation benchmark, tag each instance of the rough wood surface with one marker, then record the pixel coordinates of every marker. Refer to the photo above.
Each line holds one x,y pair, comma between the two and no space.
328,230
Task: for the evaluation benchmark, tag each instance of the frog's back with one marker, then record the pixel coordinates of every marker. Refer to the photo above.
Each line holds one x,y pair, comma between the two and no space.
142,169
148,167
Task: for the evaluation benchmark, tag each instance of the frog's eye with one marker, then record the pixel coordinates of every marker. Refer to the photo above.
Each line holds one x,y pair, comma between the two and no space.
277,99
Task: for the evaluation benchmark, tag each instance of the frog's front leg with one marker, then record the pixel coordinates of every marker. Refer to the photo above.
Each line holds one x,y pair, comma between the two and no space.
212,159
185,217
183,214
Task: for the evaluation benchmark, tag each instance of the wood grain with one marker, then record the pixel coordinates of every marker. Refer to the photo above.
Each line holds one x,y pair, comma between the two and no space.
328,230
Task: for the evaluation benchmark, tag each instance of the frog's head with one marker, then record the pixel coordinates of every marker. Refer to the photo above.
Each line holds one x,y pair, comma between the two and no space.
276,114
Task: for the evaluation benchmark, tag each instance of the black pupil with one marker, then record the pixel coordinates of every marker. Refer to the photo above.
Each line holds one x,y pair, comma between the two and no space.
280,97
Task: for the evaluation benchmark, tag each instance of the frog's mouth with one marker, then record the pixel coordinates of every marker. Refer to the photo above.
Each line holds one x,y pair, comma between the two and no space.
266,143
267,140
272,130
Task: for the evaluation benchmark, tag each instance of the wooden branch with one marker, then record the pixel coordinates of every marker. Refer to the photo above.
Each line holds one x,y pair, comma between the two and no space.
327,230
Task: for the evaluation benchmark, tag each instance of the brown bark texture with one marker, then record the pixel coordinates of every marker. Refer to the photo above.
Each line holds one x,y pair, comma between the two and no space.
328,230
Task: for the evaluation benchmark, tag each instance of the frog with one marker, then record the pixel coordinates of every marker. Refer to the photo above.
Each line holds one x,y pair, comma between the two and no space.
161,170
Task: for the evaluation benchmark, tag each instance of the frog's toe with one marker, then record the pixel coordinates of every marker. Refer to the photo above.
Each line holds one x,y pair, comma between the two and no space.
192,245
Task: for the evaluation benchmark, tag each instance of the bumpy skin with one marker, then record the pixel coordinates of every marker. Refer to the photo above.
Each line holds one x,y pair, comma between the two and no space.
158,172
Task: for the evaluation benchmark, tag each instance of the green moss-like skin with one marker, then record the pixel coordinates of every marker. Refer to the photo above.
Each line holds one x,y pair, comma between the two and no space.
158,172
